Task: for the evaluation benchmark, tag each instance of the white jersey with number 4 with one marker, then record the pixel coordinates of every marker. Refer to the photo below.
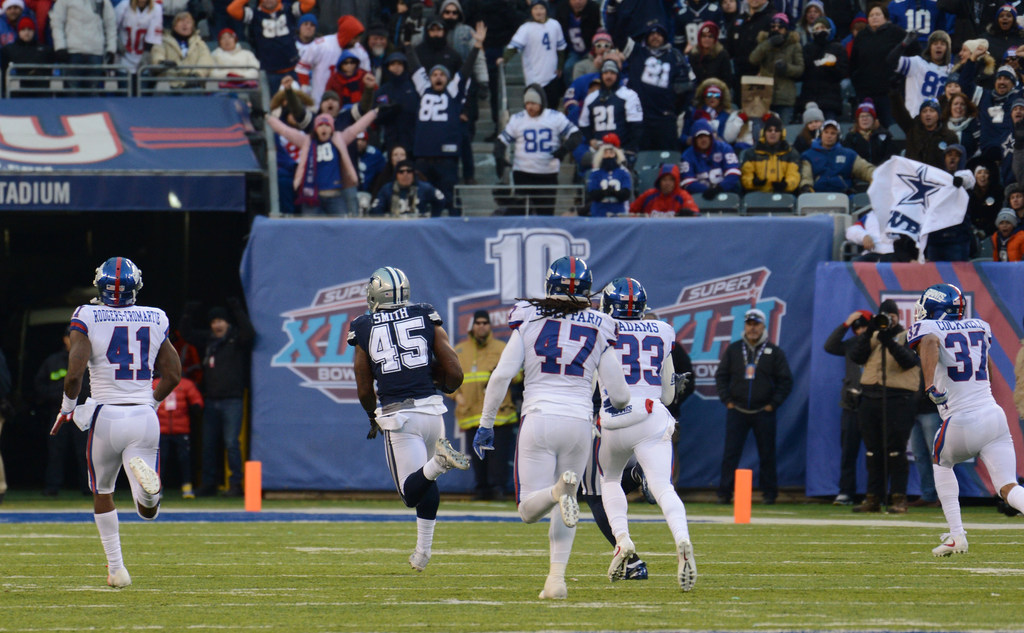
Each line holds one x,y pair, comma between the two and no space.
125,343
535,139
561,355
539,45
962,370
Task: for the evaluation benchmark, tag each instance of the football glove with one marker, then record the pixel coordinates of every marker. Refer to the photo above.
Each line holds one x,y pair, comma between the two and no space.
483,441
936,396
374,427
62,417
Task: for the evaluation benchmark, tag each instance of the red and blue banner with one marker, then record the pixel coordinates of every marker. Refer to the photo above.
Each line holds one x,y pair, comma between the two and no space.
154,154
305,283
994,292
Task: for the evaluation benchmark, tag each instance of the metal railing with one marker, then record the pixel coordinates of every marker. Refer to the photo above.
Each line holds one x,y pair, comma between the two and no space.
192,80
500,199
71,80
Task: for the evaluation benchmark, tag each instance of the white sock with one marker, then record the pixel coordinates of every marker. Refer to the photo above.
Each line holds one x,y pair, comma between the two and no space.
949,496
1016,498
557,570
433,469
615,506
425,534
111,538
560,540
534,507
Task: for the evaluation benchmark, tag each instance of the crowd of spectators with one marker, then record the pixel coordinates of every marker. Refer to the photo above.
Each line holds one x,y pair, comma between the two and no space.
783,97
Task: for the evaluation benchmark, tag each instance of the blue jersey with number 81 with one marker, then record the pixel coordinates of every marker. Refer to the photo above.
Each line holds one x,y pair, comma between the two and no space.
125,343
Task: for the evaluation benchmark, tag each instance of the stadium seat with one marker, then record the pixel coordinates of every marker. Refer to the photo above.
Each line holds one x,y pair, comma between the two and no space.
859,201
646,167
723,203
984,250
762,203
792,131
812,203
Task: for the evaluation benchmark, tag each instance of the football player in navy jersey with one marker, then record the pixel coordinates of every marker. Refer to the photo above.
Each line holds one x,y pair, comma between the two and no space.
401,346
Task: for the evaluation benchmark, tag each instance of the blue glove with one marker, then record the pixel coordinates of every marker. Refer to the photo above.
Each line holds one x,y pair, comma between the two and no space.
936,396
483,441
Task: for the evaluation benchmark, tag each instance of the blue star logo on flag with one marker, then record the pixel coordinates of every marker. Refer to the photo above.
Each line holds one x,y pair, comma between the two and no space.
920,187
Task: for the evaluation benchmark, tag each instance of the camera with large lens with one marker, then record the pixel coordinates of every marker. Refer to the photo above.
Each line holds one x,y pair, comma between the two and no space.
880,322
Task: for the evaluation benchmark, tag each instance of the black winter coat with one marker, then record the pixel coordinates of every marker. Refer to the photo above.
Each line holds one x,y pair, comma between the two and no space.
707,66
875,149
745,39
869,70
772,380
821,82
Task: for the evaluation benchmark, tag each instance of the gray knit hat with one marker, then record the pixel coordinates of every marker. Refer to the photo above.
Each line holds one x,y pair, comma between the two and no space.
813,113
1007,215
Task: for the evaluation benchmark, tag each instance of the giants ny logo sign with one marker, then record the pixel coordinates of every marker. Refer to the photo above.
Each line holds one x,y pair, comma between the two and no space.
317,348
87,138
709,315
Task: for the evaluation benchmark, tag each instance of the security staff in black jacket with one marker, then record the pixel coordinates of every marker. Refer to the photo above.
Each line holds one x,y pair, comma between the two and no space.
753,380
849,402
889,392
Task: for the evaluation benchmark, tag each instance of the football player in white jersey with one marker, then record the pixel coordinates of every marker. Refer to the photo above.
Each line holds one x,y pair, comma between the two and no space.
957,368
643,428
122,344
559,341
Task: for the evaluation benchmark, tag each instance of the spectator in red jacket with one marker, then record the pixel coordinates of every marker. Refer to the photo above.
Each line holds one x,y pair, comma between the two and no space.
176,413
348,80
666,199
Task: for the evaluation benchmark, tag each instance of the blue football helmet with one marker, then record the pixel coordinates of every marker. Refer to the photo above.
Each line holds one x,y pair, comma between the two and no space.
941,302
388,288
624,298
119,280
569,277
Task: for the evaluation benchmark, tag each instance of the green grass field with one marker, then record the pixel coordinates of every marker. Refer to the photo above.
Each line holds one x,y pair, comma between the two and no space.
795,567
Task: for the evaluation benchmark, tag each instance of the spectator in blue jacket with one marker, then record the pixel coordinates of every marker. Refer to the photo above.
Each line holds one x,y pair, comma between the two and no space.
994,111
370,161
709,166
831,168
396,87
609,185
406,196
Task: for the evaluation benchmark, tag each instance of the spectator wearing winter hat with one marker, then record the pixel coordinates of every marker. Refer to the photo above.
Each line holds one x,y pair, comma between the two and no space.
771,165
536,163
435,49
397,90
580,21
747,35
927,137
828,167
273,33
407,196
868,66
542,45
994,109
665,199
1007,241
319,59
713,103
306,26
778,55
661,99
813,117
690,20
614,108
813,11
709,166
13,11
609,184
1004,32
925,73
600,46
825,67
25,50
858,24
232,59
708,58
867,138
348,80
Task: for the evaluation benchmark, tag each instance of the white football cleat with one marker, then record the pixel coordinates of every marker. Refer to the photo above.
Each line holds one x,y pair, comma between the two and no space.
687,571
624,550
449,457
418,560
119,578
554,589
146,476
951,544
564,492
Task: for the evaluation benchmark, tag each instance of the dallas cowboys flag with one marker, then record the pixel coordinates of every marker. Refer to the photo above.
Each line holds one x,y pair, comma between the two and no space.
913,199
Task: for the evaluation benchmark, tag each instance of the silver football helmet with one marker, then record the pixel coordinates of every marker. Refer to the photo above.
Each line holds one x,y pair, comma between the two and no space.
388,288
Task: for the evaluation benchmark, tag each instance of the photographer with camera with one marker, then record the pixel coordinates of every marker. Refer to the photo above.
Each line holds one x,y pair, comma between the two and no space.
889,392
849,401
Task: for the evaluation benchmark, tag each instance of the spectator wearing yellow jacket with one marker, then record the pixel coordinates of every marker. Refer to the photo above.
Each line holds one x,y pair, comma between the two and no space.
478,355
772,164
